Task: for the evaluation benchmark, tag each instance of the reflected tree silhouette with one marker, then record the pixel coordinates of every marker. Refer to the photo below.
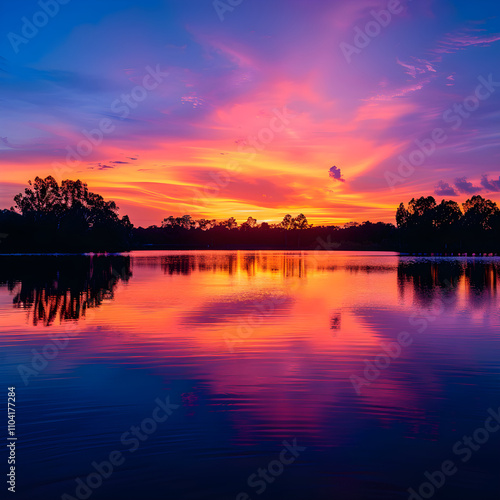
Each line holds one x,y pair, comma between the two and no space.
189,263
62,288
430,278
481,280
288,265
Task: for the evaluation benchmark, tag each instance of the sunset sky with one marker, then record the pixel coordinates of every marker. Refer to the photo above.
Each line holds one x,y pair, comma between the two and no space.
257,109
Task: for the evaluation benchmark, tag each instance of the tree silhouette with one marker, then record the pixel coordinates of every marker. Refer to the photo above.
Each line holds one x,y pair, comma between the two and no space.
447,214
49,217
425,226
300,222
65,217
479,212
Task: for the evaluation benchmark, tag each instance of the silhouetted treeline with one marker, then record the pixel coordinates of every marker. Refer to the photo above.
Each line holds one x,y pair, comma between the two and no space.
49,217
291,233
425,226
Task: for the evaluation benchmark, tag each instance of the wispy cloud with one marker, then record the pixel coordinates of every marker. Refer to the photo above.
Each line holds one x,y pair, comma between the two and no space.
100,166
417,67
465,38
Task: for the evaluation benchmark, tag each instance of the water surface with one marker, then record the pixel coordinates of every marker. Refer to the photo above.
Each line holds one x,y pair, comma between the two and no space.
255,348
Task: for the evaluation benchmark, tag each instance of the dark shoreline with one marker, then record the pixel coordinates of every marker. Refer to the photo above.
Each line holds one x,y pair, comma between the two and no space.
182,248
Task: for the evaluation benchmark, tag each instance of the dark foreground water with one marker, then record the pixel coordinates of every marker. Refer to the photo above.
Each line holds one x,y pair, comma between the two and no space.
244,375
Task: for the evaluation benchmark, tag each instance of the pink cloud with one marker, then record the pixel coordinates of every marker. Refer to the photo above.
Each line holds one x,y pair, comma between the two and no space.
463,39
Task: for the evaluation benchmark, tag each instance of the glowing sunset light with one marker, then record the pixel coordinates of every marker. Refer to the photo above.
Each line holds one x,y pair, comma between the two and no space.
261,109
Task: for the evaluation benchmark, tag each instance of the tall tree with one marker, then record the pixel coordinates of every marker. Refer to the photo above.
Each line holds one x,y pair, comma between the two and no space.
300,222
447,214
41,198
478,212
69,217
46,197
287,222
402,216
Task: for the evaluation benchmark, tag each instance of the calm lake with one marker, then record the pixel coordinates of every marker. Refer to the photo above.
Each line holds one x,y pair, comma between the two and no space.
289,375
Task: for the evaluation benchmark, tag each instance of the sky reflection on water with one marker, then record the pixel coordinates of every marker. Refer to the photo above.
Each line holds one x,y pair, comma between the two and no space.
256,348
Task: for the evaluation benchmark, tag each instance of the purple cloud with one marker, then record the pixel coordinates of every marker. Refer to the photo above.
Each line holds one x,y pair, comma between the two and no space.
490,185
100,166
464,186
336,174
444,189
